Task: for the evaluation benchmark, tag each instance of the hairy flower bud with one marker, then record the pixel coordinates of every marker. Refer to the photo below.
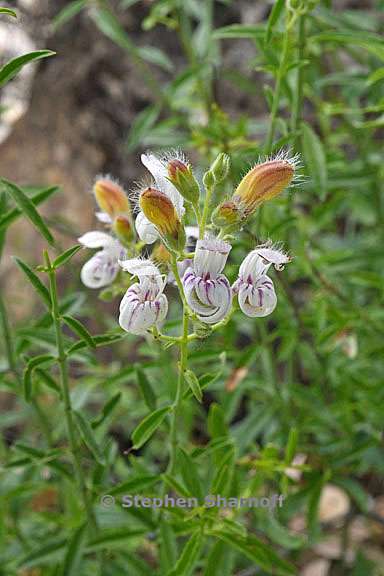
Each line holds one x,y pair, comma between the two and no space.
226,214
220,168
263,182
122,227
181,176
159,210
111,197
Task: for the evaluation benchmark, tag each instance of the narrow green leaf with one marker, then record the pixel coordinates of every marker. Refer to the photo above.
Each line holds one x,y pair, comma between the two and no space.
75,551
176,486
204,381
40,554
48,380
155,56
114,538
193,383
35,281
68,12
37,198
291,445
217,426
65,256
239,31
28,372
373,43
189,474
80,330
107,409
9,70
134,485
89,439
280,534
8,12
314,157
27,207
142,125
189,556
168,547
146,388
148,426
273,18
223,476
261,554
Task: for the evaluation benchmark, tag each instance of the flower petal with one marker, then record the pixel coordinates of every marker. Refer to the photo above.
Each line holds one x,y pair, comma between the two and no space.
159,171
99,271
145,229
96,239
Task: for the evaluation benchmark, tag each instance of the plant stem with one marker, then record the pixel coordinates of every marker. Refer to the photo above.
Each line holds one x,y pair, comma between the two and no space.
277,92
64,380
298,94
207,204
179,391
10,351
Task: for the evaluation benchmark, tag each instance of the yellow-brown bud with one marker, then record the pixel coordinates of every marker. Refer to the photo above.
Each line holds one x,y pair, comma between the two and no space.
263,182
226,214
122,227
175,166
161,256
159,210
111,197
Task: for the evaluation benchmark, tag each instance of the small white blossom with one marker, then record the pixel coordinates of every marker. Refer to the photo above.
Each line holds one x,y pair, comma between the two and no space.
256,293
207,291
144,305
146,231
103,267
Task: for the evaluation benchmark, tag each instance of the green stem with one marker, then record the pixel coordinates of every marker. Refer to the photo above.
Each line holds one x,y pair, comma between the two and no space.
277,93
64,380
179,392
207,205
9,349
298,94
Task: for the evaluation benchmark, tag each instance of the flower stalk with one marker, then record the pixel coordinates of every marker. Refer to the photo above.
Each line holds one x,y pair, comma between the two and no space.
64,381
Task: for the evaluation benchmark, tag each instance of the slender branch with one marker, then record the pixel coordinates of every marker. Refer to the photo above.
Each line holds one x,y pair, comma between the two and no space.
64,380
207,205
179,391
277,92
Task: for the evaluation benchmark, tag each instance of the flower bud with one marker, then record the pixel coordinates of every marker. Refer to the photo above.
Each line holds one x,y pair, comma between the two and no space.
227,214
111,197
220,168
181,176
161,255
263,182
159,210
122,227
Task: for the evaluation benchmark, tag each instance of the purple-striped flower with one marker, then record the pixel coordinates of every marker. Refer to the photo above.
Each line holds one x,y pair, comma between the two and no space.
255,290
207,291
103,267
144,305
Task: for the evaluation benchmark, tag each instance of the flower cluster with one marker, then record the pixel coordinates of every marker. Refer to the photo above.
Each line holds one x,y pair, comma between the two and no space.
163,205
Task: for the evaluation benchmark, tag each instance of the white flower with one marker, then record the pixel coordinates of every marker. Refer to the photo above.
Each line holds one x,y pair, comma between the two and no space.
102,268
144,305
207,291
146,231
256,293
